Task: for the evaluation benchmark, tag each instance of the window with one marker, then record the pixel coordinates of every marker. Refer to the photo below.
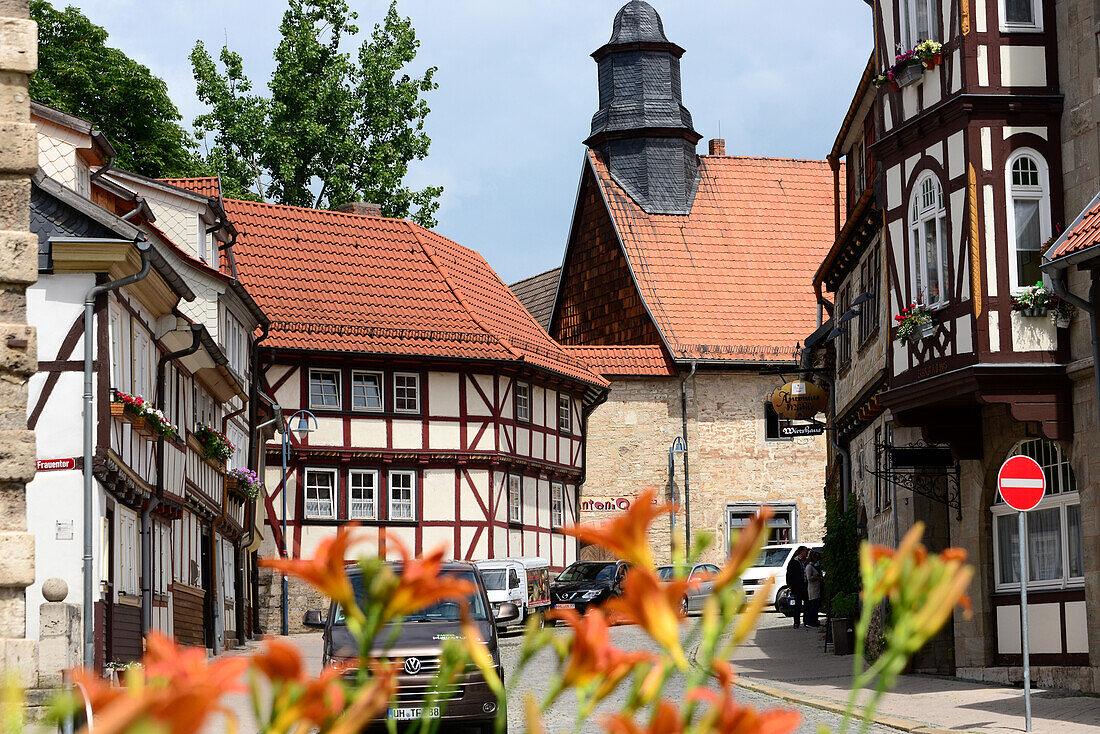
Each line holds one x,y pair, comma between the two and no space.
774,424
919,21
844,339
402,500
1021,15
234,342
362,493
523,402
557,505
366,391
128,553
406,392
324,389
515,498
202,407
1055,548
1028,215
320,494
870,274
928,242
782,522
565,413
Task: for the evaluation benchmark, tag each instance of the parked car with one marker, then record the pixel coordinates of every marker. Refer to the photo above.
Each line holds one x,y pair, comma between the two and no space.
587,583
524,582
418,644
702,575
772,564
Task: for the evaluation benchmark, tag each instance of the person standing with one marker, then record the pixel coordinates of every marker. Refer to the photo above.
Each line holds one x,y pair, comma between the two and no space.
796,583
815,584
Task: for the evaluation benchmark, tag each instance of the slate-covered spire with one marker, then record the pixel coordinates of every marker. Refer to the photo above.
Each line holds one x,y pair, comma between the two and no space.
642,126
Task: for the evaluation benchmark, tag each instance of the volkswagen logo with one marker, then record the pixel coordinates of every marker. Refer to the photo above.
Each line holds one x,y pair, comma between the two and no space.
412,666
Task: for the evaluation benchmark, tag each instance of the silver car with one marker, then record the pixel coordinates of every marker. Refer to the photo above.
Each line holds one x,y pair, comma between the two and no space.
702,575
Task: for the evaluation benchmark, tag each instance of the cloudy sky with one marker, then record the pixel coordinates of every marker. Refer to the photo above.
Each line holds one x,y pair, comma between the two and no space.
517,90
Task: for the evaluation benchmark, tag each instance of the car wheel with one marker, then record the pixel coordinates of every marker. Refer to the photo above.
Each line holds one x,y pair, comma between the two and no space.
783,602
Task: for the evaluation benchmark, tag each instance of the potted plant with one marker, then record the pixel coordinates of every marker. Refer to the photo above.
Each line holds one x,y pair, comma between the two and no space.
840,563
1063,313
246,480
915,322
127,407
160,424
216,448
930,54
1033,301
843,613
910,65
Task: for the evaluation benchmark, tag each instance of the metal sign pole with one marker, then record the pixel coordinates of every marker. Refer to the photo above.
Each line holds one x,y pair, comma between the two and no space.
1023,621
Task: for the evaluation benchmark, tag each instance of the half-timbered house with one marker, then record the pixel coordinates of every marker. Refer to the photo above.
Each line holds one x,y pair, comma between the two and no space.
685,279
442,414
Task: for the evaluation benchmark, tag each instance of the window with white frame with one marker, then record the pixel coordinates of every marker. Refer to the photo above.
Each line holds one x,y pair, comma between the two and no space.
1021,15
870,275
402,495
782,524
557,505
235,342
366,391
523,402
1055,544
1028,215
324,389
320,494
362,492
406,392
128,553
515,498
928,242
565,413
919,22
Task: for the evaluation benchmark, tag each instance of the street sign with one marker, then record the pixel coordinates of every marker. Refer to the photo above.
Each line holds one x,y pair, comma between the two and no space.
808,429
55,464
1021,483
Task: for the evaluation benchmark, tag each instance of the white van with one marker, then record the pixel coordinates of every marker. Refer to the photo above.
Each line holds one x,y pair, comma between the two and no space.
772,564
523,581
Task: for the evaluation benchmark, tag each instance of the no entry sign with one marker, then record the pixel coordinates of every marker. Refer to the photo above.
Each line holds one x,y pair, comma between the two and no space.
1021,483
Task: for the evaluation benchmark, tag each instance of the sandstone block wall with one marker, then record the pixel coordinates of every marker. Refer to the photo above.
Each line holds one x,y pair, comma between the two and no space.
730,461
18,360
1077,27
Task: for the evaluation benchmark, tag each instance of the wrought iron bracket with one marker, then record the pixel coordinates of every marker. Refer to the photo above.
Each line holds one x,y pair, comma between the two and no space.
939,484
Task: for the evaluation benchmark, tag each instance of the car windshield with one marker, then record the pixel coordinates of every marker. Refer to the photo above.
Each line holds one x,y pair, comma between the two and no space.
494,578
666,573
772,557
588,572
444,611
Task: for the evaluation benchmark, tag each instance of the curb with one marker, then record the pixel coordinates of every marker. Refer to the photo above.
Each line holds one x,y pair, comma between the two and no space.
906,725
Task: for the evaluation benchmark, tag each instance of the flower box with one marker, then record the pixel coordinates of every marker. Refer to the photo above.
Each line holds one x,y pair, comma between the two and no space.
915,322
1062,322
927,329
908,74
218,466
1033,313
118,410
231,482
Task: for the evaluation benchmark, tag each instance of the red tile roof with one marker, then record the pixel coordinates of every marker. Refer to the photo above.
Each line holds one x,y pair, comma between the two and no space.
335,281
1082,234
732,280
625,360
206,186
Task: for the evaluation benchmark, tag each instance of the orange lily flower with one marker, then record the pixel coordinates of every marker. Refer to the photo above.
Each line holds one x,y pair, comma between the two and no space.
591,655
626,535
655,607
422,584
725,715
666,720
745,550
369,702
326,570
280,661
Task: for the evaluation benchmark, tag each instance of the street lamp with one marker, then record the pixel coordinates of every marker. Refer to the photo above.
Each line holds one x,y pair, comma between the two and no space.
677,447
303,417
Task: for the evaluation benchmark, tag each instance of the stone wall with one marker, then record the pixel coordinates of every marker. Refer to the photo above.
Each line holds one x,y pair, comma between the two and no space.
18,358
729,459
301,598
1077,27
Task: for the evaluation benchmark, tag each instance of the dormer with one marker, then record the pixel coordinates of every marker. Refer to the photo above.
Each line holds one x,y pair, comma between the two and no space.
69,148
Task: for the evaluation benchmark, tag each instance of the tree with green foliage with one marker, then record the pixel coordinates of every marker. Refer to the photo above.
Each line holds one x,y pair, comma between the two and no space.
80,74
334,128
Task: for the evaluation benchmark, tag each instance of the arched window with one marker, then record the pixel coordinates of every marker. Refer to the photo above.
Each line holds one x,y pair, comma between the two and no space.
928,242
1028,215
1055,547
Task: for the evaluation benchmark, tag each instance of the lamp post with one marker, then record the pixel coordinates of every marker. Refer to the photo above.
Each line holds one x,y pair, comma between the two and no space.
677,447
303,417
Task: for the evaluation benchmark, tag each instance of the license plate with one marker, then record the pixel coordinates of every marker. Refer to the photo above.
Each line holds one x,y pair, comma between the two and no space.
413,713
565,606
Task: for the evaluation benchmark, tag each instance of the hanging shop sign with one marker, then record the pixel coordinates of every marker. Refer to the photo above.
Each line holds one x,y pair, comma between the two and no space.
809,429
799,400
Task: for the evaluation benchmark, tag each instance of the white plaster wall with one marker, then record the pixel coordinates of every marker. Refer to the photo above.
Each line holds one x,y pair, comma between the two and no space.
439,483
408,434
1033,334
329,432
1023,66
366,432
443,393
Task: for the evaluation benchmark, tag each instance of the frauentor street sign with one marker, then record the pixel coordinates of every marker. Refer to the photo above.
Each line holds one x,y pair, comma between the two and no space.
1022,485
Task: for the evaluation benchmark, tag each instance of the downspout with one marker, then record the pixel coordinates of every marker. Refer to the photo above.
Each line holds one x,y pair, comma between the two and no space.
138,201
147,511
103,169
834,163
144,248
687,482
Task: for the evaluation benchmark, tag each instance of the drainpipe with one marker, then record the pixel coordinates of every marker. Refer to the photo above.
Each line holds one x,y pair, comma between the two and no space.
147,511
687,483
89,429
104,168
138,201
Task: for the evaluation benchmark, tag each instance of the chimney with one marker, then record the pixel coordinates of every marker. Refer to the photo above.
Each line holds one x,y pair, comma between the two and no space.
717,146
361,207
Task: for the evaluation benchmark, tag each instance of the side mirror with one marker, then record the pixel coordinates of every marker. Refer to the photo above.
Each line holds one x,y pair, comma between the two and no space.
315,619
507,612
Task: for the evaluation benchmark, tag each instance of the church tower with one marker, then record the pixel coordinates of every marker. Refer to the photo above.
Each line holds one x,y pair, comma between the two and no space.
642,126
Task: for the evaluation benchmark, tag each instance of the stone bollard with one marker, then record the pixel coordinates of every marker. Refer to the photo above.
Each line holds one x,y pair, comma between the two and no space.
60,637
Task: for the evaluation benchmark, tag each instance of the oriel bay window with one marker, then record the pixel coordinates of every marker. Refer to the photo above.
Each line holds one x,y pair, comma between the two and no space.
928,242
324,389
1055,547
362,494
320,499
1028,215
366,390
406,392
402,491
